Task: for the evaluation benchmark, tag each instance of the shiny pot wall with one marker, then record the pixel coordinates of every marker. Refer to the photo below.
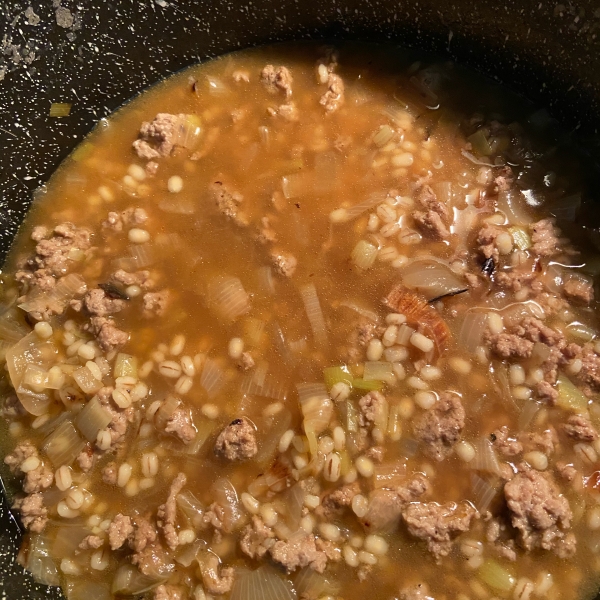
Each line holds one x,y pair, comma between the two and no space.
97,54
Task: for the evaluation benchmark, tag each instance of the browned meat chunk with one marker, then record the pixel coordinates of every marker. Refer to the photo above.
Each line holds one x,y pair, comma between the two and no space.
110,473
153,561
486,239
130,217
333,98
108,335
420,591
385,506
228,202
53,255
86,458
256,539
503,180
544,441
546,392
439,428
430,224
119,531
590,371
34,515
539,512
168,592
579,428
567,471
544,236
427,198
277,79
505,444
438,524
246,362
509,345
90,542
579,290
362,332
285,263
534,330
156,303
12,408
288,112
157,138
181,425
167,512
140,278
298,553
143,534
334,502
237,441
98,303
120,418
514,279
216,579
373,408
38,476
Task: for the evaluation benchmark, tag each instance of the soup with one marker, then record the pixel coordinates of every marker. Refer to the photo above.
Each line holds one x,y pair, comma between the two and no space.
302,322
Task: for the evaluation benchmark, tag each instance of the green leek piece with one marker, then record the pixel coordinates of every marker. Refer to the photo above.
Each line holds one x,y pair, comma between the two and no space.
335,375
520,238
367,385
496,576
480,143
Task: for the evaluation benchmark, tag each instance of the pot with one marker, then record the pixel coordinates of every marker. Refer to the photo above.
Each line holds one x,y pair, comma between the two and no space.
96,55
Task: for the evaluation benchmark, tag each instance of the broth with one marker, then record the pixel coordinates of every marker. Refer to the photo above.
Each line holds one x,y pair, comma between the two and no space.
319,330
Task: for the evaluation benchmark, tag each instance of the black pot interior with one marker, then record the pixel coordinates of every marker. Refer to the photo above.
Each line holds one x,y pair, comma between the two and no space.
97,54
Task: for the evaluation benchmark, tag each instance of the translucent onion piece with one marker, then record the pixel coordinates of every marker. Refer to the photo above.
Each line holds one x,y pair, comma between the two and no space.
294,504
225,496
188,131
364,254
263,584
389,475
268,388
11,329
483,491
227,297
276,479
188,553
314,313
379,371
129,581
514,313
165,412
480,143
361,310
30,350
273,428
343,215
472,330
266,279
86,590
474,160
514,207
177,206
212,378
297,185
581,332
92,419
432,278
67,540
311,585
205,429
216,87
317,407
63,445
39,561
528,411
443,192
86,380
191,508
485,458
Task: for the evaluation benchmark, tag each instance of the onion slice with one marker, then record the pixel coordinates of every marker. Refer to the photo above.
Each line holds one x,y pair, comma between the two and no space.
263,584
314,313
432,278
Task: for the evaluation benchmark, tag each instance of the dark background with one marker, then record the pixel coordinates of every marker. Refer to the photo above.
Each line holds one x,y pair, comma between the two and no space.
96,55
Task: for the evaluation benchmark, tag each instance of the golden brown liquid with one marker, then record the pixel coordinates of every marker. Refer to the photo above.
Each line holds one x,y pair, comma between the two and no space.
191,249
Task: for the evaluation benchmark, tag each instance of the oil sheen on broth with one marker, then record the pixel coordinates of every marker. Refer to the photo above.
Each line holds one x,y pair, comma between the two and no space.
305,322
